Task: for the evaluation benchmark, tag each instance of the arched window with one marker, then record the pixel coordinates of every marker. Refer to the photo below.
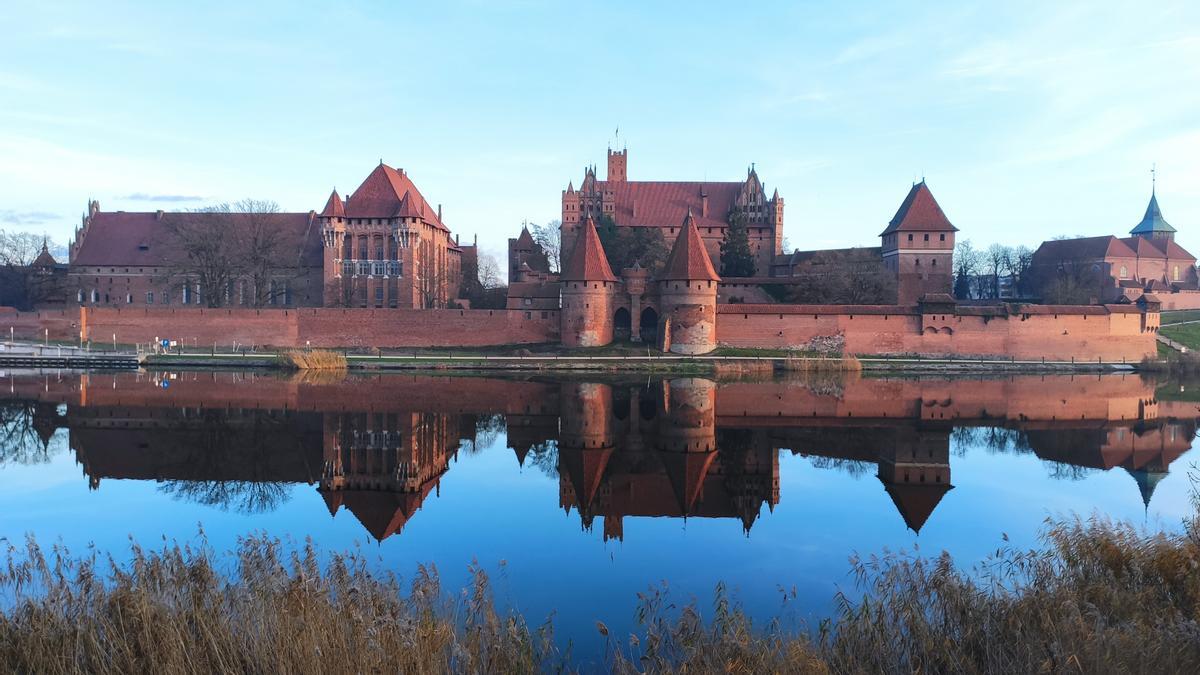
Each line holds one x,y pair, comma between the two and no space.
1124,272
1175,273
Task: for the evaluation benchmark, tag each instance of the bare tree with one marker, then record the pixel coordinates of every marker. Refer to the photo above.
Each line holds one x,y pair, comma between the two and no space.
204,255
967,262
997,264
549,237
489,271
262,245
432,279
849,277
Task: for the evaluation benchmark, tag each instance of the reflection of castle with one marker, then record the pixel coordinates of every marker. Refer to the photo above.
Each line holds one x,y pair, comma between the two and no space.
655,453
381,466
686,447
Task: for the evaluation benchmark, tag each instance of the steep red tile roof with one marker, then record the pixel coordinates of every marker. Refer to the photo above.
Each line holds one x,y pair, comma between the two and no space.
659,203
919,212
1157,248
688,259
1084,248
334,207
588,261
388,193
146,239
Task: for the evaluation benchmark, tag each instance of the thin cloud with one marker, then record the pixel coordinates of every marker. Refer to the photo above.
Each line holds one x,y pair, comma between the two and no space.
144,197
14,217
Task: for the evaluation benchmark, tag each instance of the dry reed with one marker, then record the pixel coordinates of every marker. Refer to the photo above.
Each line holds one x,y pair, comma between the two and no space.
314,359
823,364
1095,597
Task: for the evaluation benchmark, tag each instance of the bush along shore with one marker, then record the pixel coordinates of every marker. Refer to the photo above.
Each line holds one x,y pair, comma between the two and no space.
1095,596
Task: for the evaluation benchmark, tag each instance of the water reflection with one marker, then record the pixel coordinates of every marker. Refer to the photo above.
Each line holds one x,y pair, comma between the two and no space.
378,447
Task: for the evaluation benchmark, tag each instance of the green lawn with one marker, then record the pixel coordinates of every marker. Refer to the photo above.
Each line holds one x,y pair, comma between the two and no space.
1180,316
1188,334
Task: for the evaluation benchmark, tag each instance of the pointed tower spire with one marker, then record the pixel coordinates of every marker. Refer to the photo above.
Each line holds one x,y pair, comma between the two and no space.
688,260
588,261
334,207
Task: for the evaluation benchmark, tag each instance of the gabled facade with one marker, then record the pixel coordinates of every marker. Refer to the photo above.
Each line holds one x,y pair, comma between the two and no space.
663,204
386,246
1110,269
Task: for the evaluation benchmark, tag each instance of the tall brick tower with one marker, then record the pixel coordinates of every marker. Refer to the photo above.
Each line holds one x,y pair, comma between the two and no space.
586,443
918,247
686,440
687,289
617,165
588,287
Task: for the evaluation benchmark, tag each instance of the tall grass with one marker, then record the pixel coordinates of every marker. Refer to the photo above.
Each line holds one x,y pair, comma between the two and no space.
314,359
831,364
1096,596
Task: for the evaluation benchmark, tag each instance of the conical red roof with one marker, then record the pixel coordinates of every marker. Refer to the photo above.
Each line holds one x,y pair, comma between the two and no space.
920,213
689,260
916,502
525,240
334,207
588,261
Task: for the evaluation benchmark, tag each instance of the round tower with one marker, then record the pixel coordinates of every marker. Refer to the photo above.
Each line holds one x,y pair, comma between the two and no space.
687,289
588,288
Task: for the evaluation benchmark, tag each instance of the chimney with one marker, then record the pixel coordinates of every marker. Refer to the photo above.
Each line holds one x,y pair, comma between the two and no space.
158,214
703,202
439,213
455,235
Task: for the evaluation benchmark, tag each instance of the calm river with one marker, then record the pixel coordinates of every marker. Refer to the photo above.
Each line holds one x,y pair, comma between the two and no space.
577,493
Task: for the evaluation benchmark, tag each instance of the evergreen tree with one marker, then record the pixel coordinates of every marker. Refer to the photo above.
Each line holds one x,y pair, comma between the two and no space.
736,258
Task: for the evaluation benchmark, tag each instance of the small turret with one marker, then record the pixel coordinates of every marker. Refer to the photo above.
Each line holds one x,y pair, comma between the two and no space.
588,286
688,291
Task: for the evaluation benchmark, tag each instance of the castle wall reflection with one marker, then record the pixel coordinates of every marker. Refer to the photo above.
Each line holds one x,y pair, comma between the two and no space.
377,448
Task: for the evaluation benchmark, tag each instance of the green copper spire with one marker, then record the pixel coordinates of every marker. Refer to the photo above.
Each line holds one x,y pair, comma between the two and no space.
1153,221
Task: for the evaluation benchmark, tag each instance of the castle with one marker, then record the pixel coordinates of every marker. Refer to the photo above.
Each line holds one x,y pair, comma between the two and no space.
383,246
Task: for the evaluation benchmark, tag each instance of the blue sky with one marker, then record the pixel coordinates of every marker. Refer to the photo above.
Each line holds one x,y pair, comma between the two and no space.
1029,119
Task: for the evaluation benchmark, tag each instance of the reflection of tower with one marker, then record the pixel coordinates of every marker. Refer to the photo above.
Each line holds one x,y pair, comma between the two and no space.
585,446
686,441
381,466
749,466
915,471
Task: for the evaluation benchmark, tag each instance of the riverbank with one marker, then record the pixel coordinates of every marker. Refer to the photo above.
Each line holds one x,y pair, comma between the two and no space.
635,363
1096,597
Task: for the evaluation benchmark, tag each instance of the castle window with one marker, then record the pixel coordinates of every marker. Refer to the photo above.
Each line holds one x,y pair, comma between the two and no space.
149,297
941,237
933,261
378,269
379,296
166,298
526,301
394,268
926,237
79,296
918,262
364,267
1124,272
1175,273
187,294
910,237
347,267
